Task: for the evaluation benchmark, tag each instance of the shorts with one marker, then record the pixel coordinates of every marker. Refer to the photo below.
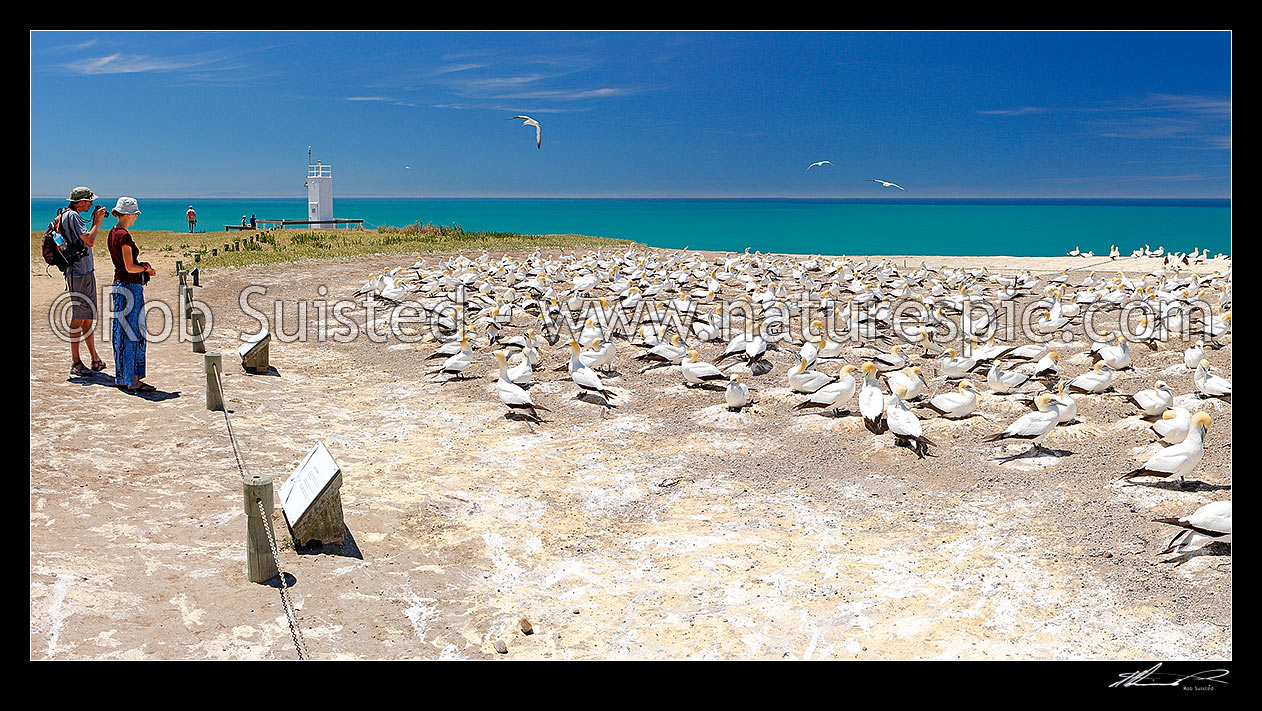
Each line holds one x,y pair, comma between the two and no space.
83,299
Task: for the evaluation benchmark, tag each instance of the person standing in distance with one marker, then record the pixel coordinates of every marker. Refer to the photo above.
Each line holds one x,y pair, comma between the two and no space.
81,278
192,218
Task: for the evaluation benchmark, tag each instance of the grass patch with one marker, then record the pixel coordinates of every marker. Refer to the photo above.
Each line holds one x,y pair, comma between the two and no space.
280,246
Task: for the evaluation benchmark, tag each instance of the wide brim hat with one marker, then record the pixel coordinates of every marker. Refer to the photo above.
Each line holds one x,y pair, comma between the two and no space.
81,193
126,206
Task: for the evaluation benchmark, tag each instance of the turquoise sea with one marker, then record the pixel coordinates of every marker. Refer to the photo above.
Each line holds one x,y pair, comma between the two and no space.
1015,227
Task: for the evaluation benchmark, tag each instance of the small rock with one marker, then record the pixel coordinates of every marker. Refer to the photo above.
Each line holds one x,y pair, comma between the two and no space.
525,626
501,647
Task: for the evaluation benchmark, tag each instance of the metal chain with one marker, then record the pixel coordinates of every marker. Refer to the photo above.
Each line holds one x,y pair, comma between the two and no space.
291,613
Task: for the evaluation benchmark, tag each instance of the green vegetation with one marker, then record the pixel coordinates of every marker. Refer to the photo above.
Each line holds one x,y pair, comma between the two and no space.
279,246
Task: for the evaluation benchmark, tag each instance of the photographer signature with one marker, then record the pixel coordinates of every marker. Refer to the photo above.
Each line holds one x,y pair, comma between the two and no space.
1138,678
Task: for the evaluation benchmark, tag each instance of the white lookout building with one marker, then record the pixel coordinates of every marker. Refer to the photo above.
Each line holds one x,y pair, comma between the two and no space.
320,194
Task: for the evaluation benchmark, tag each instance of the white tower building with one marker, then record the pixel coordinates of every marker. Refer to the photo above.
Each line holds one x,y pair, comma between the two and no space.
320,194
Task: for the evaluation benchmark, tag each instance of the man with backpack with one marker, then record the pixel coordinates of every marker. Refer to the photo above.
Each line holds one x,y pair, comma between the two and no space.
81,276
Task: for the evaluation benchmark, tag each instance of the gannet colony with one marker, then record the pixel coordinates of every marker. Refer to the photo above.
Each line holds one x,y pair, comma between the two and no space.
905,348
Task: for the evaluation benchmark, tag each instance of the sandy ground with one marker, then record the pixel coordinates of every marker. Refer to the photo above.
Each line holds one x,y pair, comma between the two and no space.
666,527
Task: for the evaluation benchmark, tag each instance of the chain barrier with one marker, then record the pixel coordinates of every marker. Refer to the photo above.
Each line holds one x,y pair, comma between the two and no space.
291,613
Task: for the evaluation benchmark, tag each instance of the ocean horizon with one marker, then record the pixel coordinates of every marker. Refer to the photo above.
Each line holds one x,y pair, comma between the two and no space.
1032,227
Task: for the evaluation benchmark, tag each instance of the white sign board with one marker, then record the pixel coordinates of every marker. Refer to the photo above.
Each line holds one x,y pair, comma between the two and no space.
308,480
253,343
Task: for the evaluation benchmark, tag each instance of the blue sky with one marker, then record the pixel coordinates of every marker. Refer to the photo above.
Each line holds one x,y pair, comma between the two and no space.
946,114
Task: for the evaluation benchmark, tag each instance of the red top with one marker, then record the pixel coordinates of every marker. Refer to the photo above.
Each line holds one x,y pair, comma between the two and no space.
119,240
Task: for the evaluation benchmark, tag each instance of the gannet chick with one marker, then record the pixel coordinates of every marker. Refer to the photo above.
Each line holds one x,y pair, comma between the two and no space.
1177,459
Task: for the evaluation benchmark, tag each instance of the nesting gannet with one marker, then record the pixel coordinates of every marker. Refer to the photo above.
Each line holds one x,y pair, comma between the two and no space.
955,405
1032,427
871,400
531,122
513,395
1177,459
698,371
1048,367
953,366
912,379
804,380
737,394
1096,380
586,378
601,355
1173,426
1193,356
1117,356
903,423
1004,381
1209,384
1209,522
833,396
893,360
1154,401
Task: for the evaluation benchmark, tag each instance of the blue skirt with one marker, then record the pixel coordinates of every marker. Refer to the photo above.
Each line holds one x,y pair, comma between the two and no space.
128,332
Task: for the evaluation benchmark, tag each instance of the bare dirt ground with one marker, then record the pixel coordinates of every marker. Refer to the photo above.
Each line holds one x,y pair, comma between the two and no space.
666,527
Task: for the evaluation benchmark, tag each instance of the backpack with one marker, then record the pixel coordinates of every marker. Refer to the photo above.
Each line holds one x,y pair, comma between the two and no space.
61,251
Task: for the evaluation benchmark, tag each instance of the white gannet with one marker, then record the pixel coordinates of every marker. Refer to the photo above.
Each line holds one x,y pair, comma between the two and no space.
1154,401
531,122
835,395
1209,522
1096,380
953,366
1117,356
893,360
1209,384
456,364
822,162
586,378
513,395
912,379
698,371
904,424
887,184
871,400
601,355
804,380
1004,381
957,404
1193,356
1032,427
1177,459
1173,426
737,393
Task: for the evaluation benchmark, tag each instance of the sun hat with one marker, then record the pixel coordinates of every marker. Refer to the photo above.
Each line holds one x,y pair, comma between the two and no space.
126,206
81,193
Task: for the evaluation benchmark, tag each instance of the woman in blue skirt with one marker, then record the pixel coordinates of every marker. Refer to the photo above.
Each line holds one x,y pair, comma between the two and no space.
130,277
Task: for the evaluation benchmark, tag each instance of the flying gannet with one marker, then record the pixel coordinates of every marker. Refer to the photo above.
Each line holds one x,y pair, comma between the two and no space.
531,122
887,184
